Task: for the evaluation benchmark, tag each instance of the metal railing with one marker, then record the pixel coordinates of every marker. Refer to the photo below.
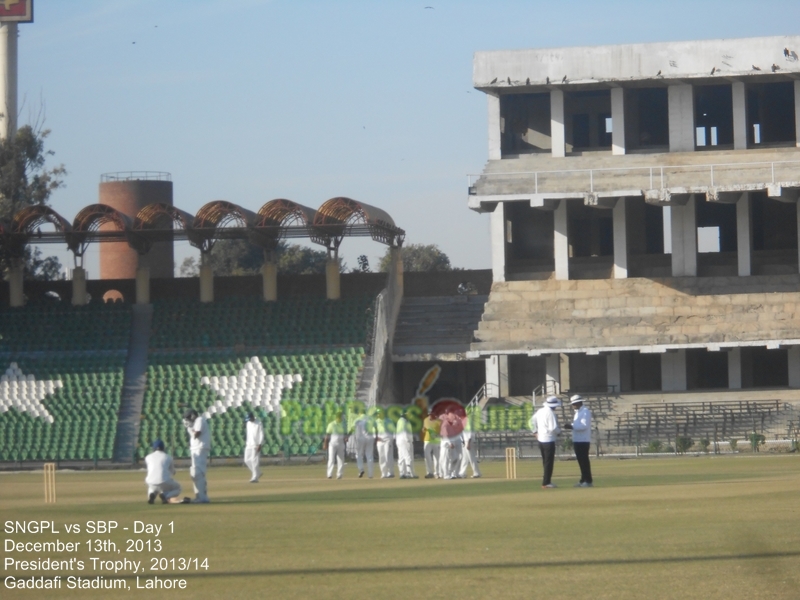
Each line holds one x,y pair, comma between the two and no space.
660,174
136,176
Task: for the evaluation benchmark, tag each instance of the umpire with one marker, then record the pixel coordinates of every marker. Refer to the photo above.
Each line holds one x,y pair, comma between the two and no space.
581,438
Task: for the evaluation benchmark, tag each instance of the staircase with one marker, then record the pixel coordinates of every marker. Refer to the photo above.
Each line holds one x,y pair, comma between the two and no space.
437,325
134,385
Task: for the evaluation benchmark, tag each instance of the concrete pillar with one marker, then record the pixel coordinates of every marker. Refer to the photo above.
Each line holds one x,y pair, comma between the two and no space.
744,235
79,297
794,366
497,238
613,372
620,239
8,80
396,255
552,374
497,375
143,285
561,241
681,118
673,371
333,282
683,220
269,281
206,283
797,112
557,130
735,369
617,121
739,116
563,359
495,127
16,276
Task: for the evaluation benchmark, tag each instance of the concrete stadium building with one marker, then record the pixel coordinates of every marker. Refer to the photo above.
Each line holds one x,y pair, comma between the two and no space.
644,224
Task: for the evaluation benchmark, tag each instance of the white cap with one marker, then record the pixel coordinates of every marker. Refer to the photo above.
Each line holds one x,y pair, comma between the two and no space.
575,399
552,402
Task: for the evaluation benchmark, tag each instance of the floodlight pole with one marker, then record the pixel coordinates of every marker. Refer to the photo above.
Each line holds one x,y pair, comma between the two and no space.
8,79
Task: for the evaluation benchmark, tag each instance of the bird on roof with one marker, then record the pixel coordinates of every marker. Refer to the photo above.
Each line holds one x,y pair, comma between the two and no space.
509,80
775,67
755,68
786,52
659,73
564,80
493,81
527,81
547,80
713,70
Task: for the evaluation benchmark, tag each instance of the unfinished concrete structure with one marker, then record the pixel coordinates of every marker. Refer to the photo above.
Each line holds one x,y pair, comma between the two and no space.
643,211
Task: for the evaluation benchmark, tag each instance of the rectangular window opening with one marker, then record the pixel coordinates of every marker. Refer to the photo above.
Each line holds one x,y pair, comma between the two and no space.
713,136
708,239
701,136
608,125
756,133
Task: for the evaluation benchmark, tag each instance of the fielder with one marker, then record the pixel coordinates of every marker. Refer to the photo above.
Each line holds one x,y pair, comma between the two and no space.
364,433
200,446
468,452
385,447
450,452
404,438
159,480
335,441
431,444
253,444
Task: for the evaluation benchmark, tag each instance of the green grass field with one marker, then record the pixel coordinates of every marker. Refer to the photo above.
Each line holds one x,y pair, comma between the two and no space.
699,527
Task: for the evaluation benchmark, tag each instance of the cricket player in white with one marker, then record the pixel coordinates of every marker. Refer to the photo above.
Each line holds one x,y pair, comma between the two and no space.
364,433
385,446
404,438
253,444
468,455
335,441
200,447
159,476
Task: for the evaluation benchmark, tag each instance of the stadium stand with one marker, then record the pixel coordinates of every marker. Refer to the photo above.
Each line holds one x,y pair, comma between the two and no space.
241,354
60,391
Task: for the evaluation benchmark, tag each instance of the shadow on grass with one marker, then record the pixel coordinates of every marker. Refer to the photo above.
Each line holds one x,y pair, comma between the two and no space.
483,566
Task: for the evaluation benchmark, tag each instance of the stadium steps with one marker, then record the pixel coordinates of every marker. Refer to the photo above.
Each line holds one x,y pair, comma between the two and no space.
134,385
437,324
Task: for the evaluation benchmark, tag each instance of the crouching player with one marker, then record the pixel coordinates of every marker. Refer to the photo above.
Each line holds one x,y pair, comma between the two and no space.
159,477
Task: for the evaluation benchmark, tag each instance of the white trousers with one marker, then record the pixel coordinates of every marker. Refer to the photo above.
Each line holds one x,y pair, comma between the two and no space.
405,458
198,474
450,458
365,452
170,489
468,459
386,458
252,460
432,458
336,458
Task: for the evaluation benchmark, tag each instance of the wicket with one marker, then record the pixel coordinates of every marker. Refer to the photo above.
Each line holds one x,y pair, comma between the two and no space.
511,463
49,483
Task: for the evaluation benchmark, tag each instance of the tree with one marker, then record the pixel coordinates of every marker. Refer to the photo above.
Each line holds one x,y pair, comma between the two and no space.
419,257
26,181
238,257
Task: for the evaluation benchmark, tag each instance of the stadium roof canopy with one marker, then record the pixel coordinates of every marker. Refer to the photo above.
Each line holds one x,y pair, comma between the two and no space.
275,221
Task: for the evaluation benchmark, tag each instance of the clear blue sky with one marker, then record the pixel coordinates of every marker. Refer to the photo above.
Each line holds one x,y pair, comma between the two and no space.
250,100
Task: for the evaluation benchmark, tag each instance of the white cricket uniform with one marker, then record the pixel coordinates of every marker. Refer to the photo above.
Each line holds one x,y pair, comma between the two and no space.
404,438
335,433
159,475
386,447
364,429
450,457
200,447
252,455
468,455
431,446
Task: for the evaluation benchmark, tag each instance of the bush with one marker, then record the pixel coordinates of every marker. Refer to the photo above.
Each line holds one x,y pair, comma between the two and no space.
704,444
654,446
733,444
756,440
567,445
683,443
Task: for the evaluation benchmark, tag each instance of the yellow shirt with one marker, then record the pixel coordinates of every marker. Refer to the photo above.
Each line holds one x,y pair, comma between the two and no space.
431,427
